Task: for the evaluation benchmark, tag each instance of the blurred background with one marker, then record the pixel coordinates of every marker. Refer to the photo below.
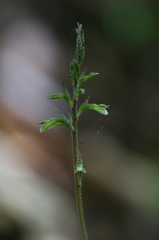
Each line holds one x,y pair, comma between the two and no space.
121,150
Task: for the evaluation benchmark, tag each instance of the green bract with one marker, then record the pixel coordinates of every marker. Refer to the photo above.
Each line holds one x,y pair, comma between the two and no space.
101,108
54,122
66,96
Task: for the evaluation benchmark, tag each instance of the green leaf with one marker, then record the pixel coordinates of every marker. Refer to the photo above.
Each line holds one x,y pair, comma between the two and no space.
64,95
54,122
101,108
85,78
79,92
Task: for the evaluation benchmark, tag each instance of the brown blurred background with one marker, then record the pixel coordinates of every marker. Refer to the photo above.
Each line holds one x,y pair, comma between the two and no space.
121,152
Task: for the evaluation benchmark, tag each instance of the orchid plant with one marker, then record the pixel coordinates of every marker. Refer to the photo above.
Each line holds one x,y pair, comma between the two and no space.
71,121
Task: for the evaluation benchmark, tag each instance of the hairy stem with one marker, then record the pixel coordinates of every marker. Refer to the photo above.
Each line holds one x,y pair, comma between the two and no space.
77,175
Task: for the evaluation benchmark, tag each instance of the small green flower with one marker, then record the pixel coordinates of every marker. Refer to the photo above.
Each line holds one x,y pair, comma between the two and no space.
54,122
64,95
79,92
101,108
85,78
80,168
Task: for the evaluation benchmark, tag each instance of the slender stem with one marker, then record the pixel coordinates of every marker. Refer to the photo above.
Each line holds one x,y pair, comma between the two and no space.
77,175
